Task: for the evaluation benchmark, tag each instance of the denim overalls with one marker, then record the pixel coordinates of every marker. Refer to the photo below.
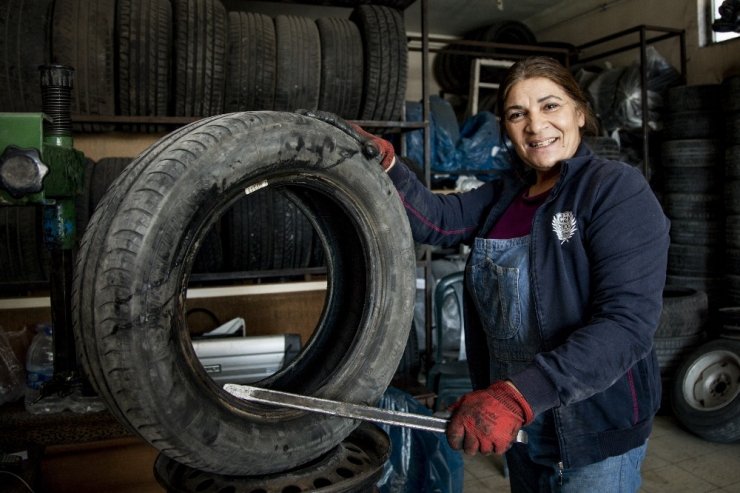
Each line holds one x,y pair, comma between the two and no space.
498,280
497,277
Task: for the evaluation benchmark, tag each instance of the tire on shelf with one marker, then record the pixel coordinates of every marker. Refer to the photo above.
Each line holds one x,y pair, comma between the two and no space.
298,73
21,245
199,57
250,84
83,38
24,45
386,61
144,30
132,273
706,391
341,67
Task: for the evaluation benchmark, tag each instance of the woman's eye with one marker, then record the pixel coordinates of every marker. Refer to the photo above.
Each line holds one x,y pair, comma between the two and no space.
514,116
551,106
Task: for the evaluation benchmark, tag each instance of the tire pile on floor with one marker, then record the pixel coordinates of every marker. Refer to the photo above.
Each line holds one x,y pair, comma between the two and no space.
192,58
702,197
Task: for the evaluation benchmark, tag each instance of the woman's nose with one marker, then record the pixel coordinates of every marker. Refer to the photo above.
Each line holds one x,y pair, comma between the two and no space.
537,122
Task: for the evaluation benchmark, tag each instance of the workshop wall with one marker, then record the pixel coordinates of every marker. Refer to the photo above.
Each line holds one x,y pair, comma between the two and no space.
706,64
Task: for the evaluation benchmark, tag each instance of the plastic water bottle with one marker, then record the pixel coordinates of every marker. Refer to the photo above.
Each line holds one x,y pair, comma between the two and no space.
39,370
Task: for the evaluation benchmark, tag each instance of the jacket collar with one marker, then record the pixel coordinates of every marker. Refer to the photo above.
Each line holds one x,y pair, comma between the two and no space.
583,155
573,165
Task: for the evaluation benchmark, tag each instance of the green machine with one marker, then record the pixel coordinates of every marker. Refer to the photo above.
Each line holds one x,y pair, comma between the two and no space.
39,166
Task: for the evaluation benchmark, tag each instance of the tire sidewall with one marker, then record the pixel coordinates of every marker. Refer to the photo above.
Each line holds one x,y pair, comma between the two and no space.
150,354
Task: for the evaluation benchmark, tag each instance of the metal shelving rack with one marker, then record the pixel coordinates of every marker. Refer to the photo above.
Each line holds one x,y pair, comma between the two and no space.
645,38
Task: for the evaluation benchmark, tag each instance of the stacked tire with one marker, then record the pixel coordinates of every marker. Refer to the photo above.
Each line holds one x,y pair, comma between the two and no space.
192,58
706,389
682,327
691,158
265,230
731,98
451,68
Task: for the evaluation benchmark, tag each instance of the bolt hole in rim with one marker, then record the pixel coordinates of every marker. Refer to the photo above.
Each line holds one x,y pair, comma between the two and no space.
712,381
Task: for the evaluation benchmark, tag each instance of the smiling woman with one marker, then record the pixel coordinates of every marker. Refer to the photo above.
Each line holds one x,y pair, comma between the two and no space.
563,293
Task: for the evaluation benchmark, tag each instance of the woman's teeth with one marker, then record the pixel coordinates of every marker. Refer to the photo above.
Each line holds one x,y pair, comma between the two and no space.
542,143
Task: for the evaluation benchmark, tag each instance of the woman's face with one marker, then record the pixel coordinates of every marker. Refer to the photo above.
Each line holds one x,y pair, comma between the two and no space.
543,122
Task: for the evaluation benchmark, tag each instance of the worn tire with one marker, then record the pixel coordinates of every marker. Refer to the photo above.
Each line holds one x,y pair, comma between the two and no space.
706,391
685,312
132,274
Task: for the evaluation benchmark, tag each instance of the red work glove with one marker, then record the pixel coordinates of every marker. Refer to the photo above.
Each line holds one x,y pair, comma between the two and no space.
372,145
488,420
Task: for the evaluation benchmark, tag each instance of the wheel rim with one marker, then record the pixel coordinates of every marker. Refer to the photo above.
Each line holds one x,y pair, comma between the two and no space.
712,381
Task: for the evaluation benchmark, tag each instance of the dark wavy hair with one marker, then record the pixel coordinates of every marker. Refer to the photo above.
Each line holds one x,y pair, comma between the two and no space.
548,68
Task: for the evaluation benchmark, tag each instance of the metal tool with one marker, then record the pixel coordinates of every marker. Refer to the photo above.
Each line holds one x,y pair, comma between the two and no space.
345,409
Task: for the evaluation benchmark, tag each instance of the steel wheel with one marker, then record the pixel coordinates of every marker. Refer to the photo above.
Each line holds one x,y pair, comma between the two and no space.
712,381
706,391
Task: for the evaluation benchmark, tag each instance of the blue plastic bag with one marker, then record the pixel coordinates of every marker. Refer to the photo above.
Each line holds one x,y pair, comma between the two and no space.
443,127
420,460
480,147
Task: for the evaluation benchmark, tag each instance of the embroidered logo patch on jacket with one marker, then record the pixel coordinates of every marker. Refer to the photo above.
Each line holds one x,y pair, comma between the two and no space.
564,225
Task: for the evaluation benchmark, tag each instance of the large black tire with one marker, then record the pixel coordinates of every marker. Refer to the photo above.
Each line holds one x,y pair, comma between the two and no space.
386,61
692,165
24,45
250,84
694,206
83,38
706,391
341,67
298,75
200,56
21,244
685,312
144,51
266,230
132,274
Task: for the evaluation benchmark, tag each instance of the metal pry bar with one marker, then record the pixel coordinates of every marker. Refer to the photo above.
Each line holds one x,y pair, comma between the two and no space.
344,409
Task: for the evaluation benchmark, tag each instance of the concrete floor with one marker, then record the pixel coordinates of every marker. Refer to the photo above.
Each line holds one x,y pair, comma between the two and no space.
677,461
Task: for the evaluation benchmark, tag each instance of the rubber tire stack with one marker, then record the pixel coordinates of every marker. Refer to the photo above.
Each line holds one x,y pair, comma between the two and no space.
682,327
731,105
452,70
192,58
691,159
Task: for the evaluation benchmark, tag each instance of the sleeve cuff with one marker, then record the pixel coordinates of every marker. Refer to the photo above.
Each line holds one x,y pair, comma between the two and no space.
536,388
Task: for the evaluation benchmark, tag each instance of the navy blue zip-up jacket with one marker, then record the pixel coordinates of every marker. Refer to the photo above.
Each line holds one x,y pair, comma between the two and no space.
597,287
